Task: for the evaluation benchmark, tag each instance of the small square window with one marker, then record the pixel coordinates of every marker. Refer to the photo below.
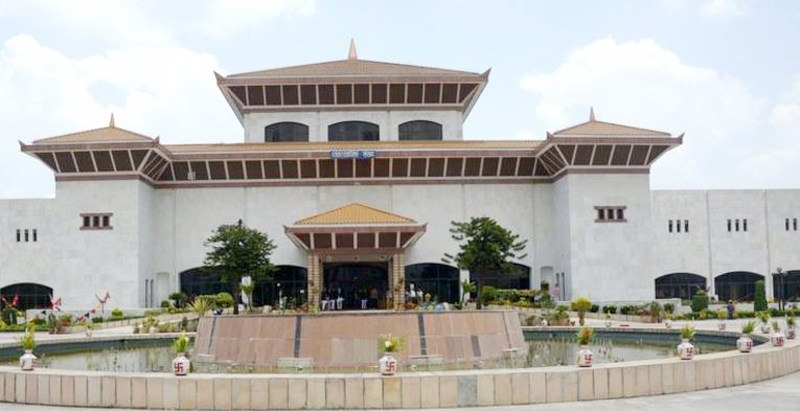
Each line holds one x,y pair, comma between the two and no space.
787,224
794,224
26,235
737,224
744,224
729,225
601,214
87,221
685,226
35,237
670,226
96,221
678,225
106,221
620,214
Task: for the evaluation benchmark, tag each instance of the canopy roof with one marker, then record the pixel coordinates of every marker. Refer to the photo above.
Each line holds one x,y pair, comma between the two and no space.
355,213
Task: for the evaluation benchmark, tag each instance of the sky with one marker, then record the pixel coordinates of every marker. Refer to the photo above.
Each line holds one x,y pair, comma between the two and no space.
724,72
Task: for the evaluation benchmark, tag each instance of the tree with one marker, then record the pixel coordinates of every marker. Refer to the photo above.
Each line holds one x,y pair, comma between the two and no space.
484,247
760,303
238,251
699,301
581,305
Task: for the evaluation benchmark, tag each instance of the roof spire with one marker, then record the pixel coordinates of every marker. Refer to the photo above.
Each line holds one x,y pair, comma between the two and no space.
591,113
111,121
351,54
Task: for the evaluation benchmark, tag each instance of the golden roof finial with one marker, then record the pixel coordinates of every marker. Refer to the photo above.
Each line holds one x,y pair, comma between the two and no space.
591,113
351,54
111,122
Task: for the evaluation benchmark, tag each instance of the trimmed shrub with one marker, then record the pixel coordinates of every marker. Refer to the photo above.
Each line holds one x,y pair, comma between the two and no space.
488,294
699,301
116,313
165,304
594,308
669,308
610,309
760,303
224,300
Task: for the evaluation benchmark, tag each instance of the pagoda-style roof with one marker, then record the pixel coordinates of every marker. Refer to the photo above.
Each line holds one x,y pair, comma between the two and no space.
355,228
595,128
111,153
355,213
108,134
349,83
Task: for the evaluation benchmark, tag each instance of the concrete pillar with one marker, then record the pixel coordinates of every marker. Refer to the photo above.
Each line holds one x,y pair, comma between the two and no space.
314,274
397,278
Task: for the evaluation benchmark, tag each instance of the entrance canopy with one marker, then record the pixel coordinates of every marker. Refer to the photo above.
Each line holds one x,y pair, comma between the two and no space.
355,229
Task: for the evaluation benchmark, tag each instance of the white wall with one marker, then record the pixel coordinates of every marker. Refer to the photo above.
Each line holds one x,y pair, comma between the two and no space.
610,260
318,122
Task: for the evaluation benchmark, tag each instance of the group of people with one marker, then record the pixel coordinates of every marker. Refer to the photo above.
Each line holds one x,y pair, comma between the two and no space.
366,300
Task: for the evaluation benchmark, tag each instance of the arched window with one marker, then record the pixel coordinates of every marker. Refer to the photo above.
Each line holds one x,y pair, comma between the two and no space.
353,131
28,295
787,286
285,131
518,279
288,281
737,285
420,130
202,281
679,285
438,280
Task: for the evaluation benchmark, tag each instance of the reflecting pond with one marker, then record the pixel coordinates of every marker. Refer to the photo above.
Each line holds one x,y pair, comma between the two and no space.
543,350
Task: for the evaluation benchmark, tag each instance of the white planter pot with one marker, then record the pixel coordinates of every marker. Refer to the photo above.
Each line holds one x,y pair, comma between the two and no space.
88,332
180,365
791,333
777,339
27,361
721,325
686,350
608,323
585,357
387,364
744,344
765,328
152,330
668,323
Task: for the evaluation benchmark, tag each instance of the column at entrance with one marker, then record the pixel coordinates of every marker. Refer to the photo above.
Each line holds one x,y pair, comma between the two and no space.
397,278
314,279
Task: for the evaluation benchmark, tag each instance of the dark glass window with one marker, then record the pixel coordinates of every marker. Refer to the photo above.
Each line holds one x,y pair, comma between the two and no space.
679,285
96,221
353,131
87,221
19,235
106,222
287,281
31,295
517,279
739,285
285,131
35,236
420,130
200,281
438,280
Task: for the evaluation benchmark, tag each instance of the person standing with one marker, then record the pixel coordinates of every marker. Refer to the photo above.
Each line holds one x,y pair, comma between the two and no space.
731,309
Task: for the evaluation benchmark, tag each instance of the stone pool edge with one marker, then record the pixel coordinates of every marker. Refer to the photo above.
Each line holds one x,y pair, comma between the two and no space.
439,389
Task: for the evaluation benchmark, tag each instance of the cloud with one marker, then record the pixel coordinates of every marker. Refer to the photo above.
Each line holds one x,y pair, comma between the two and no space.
734,138
168,91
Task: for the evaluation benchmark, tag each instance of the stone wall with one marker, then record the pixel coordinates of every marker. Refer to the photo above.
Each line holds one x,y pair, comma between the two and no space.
407,390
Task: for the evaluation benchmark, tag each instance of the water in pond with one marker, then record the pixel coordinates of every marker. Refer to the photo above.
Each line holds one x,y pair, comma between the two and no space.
543,351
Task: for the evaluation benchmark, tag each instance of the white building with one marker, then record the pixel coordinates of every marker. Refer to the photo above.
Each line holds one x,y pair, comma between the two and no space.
356,169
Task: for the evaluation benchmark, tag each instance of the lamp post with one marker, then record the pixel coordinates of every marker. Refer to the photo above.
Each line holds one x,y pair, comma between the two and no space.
780,287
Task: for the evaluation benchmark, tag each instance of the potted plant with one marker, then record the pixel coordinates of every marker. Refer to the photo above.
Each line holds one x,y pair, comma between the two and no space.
685,348
668,321
389,344
764,317
87,327
608,320
791,332
777,336
721,316
581,305
28,342
745,343
180,365
584,337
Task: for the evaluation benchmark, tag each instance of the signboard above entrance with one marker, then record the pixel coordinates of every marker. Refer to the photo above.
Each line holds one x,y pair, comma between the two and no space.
356,154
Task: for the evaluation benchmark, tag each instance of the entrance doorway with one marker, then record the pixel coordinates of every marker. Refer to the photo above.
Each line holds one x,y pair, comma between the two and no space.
354,282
